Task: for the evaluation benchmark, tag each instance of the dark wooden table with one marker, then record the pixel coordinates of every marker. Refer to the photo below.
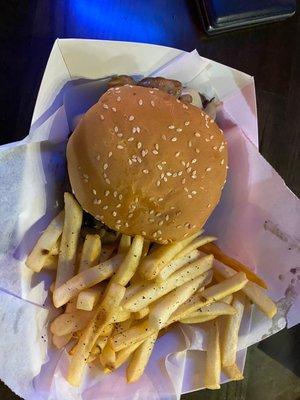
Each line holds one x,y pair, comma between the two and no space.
270,53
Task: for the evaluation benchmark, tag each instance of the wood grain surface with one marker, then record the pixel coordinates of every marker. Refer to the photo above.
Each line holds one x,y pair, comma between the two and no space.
270,53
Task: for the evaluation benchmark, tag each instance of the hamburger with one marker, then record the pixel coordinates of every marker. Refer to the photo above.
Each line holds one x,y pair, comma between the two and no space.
145,161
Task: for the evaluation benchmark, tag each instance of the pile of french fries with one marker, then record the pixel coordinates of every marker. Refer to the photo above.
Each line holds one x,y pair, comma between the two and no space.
117,299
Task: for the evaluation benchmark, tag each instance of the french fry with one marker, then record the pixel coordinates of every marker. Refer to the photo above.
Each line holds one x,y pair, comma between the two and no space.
233,372
198,320
162,310
95,352
101,342
61,341
140,359
211,310
176,264
65,324
155,290
146,246
91,251
88,298
107,251
71,306
106,330
45,243
135,334
124,244
141,313
212,248
103,317
51,262
226,287
213,358
230,332
123,355
69,241
121,315
253,291
228,299
195,244
130,263
107,357
155,262
85,280
210,295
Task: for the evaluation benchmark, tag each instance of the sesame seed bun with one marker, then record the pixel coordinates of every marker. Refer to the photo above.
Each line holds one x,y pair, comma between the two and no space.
142,162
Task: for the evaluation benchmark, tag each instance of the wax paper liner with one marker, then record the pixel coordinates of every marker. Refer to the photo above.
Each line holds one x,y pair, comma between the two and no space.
256,227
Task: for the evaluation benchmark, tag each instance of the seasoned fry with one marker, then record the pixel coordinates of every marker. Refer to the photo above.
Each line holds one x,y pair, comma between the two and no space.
123,355
154,291
88,298
103,317
130,263
212,248
107,356
198,320
226,287
140,359
69,241
71,306
65,324
254,292
61,341
124,244
155,262
228,299
90,254
45,244
213,358
85,279
146,246
141,313
230,331
101,342
163,309
51,262
137,333
211,310
176,264
233,372
195,244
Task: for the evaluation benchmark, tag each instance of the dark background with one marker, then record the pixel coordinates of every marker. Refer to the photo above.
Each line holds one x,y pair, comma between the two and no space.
271,53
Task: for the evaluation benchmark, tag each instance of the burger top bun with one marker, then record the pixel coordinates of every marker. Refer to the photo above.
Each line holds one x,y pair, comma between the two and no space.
144,163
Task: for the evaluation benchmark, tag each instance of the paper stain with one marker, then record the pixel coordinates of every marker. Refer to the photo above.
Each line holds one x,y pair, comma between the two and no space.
276,231
17,320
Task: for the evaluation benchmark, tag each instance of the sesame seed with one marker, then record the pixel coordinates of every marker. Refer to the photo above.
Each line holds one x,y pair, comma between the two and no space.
105,207
152,103
129,161
159,232
115,194
151,220
118,205
139,159
134,129
197,150
164,137
159,167
179,173
211,137
97,201
116,129
227,167
197,134
183,181
143,233
189,169
114,109
174,139
139,145
172,208
187,164
144,153
107,181
208,169
114,213
208,205
160,199
162,175
165,179
178,226
140,102
138,129
164,162
94,191
171,126
118,98
145,171
151,91
105,106
222,161
105,166
120,134
178,130
183,163
194,160
215,147
194,192
136,199
158,214
207,126
131,118
101,117
120,196
211,121
157,183
190,143
130,139
107,193
119,221
207,140
177,154
120,147
85,176
130,215
169,173
186,234
167,217
155,152
160,223
174,174
187,123
185,106
186,189
126,224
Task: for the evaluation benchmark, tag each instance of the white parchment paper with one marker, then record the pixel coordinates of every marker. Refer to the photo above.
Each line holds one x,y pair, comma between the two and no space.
256,221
